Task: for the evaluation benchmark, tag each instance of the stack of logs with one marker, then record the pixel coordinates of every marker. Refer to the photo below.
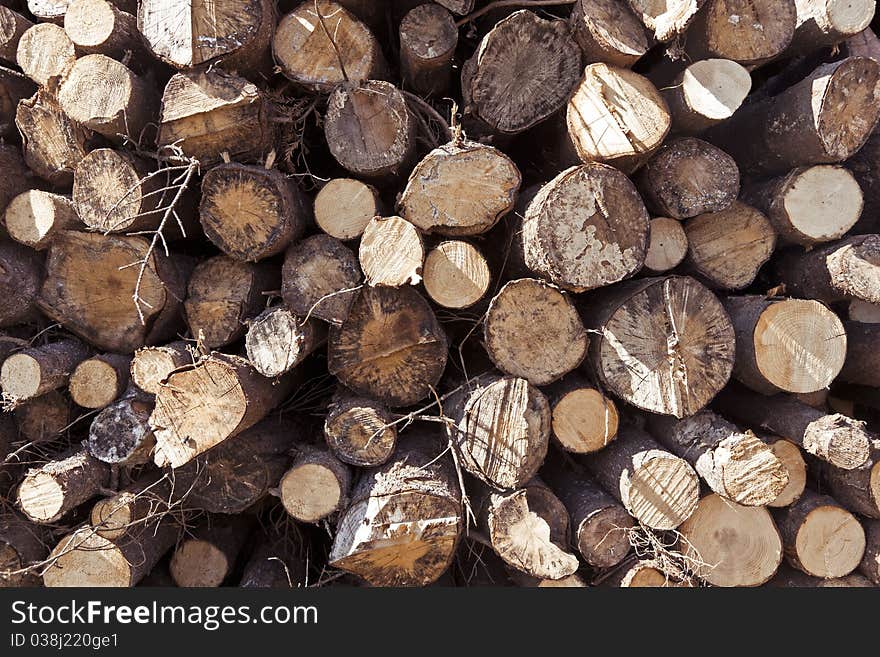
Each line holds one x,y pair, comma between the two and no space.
338,292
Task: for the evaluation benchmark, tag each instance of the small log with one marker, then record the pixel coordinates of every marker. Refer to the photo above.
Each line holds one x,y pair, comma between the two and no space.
98,381
516,331
666,20
584,229
608,31
45,53
731,545
274,564
48,10
390,347
583,419
846,269
120,434
44,418
657,488
822,23
34,217
316,485
37,370
646,573
643,326
537,57
750,32
667,245
791,457
14,88
276,211
98,27
857,489
206,557
21,273
370,130
428,38
221,294
870,564
790,345
688,177
391,252
419,491
138,504
344,206
836,439
603,124
706,93
529,529
234,35
277,340
209,112
105,96
150,366
48,492
208,402
736,465
307,54
821,537
320,278
22,547
89,285
16,178
359,430
825,118
810,205
502,429
456,274
728,248
460,189
12,26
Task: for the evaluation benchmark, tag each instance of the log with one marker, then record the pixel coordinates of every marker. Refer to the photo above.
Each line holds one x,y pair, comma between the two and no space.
667,245
143,501
790,345
21,273
584,229
120,434
529,529
370,130
516,332
647,573
359,430
845,269
211,112
865,165
828,22
320,278
98,381
152,365
583,419
858,489
391,252
37,370
821,538
502,429
750,32
34,217
274,564
206,558
89,285
860,366
105,96
428,38
603,124
12,26
22,548
824,118
792,459
390,347
836,439
537,57
666,20
645,325
316,486
221,294
16,179
732,545
45,53
44,418
706,93
870,564
404,521
736,465
608,31
49,491
276,212
307,55
809,205
14,87
787,577
48,10
277,340
203,404
344,206
657,488
99,27
460,189
456,274
233,35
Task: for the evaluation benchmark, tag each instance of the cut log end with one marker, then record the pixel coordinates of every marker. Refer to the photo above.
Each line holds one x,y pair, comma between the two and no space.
98,381
316,486
584,420
707,92
277,341
668,245
87,559
34,217
152,365
45,53
659,470
608,31
199,563
829,543
359,430
391,252
792,459
344,207
456,274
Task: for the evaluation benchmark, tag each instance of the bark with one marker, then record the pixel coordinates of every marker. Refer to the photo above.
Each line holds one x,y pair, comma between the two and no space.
862,364
150,366
344,206
14,87
870,564
608,31
391,252
823,23
787,577
142,502
120,434
34,217
316,486
428,38
206,558
37,370
359,429
21,273
12,26
51,490
456,274
277,340
44,418
45,53
857,489
274,564
865,166
100,380
22,546
706,93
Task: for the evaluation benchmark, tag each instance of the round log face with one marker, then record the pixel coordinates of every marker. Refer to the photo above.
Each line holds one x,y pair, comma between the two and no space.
344,206
654,471
607,30
106,190
86,559
715,88
310,492
456,275
819,204
199,563
748,31
792,459
584,421
603,538
830,543
668,245
849,108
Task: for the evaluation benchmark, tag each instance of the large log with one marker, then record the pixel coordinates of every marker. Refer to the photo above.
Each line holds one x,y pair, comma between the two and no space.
857,489
36,370
583,419
828,22
51,490
391,252
45,53
120,434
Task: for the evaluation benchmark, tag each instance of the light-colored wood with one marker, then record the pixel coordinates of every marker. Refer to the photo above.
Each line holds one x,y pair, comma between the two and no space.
151,365
667,245
828,22
791,457
48,10
277,340
316,485
428,38
134,506
45,53
98,381
207,556
359,430
608,31
36,370
647,574
344,207
456,274
391,252
666,20
34,217
49,491
583,419
98,26
706,93
12,26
